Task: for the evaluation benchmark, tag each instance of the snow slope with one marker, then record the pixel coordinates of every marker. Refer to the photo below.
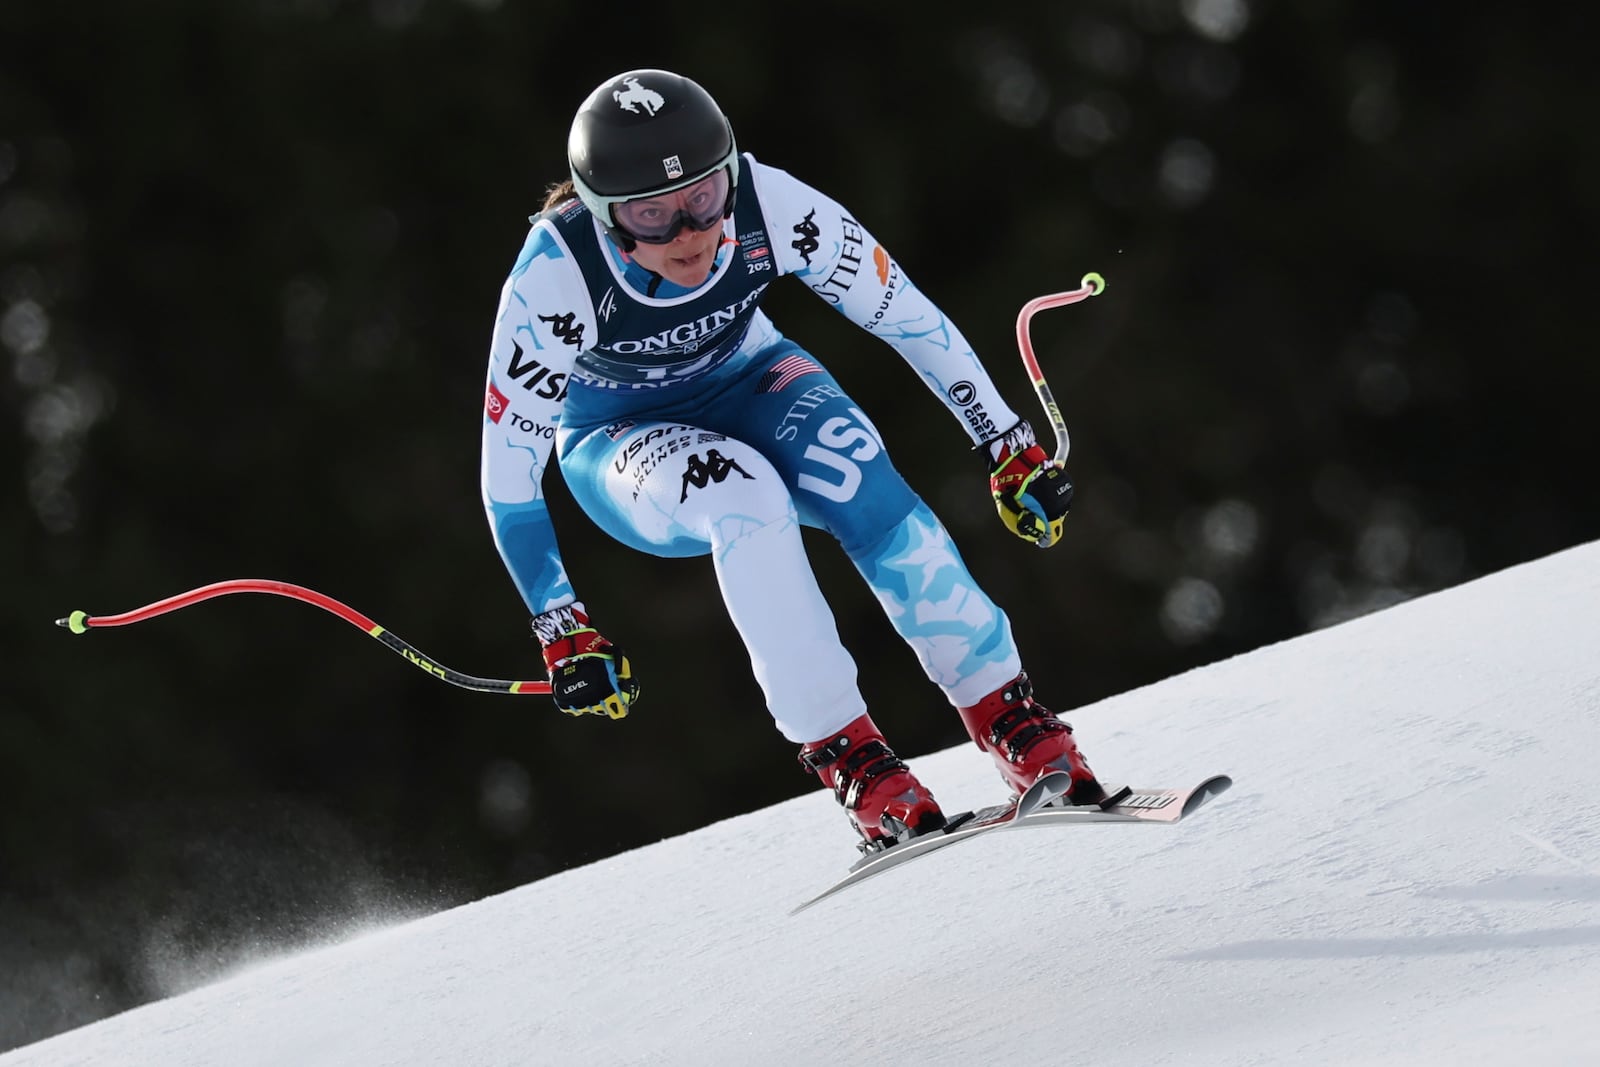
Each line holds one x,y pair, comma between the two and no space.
1407,870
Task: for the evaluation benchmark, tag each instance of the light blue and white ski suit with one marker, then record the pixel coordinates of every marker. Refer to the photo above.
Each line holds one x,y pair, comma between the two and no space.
686,424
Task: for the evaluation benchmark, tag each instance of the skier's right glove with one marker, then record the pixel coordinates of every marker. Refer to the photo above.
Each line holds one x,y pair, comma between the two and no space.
588,674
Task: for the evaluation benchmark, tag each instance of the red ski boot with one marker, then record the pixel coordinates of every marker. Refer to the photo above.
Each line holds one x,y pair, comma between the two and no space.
1029,741
885,802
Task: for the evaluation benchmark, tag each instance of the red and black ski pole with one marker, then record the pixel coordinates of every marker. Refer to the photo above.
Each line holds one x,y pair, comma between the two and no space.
81,622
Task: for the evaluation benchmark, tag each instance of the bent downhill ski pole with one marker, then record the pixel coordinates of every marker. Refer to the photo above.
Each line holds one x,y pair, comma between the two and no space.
1093,285
81,622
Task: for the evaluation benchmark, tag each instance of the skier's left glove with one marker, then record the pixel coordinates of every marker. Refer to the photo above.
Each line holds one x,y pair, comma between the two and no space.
1031,491
588,674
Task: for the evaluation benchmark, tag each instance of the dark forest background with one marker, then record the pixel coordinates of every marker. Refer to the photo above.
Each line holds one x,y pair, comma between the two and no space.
249,261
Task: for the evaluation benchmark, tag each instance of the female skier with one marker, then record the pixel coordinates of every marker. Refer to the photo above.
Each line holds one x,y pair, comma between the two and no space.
630,336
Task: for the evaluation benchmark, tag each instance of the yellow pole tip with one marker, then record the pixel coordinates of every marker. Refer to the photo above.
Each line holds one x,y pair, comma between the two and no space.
1094,282
77,622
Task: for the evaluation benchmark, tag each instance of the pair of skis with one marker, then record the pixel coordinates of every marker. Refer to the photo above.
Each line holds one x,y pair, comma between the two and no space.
1040,806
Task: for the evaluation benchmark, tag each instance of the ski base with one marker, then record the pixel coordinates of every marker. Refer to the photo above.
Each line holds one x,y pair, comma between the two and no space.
1039,807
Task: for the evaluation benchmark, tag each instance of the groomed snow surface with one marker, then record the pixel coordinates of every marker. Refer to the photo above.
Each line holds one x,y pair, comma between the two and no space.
1406,871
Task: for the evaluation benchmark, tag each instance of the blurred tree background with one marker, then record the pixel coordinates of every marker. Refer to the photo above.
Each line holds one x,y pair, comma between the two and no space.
249,261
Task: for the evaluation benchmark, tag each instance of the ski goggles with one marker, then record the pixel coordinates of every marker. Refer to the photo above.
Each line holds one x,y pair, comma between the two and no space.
657,220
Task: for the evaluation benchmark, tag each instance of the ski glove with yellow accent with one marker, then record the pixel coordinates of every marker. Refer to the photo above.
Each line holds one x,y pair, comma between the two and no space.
588,674
1031,491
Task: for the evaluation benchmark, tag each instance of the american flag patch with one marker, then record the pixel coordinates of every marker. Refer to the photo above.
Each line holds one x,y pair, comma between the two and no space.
785,371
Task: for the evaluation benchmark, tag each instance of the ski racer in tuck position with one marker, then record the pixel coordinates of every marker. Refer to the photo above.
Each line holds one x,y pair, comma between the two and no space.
630,339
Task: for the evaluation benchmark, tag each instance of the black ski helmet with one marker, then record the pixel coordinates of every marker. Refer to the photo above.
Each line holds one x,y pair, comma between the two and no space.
644,133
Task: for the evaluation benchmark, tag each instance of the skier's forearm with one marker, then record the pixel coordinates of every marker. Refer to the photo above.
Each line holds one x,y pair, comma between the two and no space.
526,539
946,363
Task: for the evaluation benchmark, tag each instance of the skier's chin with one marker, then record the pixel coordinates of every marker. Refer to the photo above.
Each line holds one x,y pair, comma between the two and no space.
691,269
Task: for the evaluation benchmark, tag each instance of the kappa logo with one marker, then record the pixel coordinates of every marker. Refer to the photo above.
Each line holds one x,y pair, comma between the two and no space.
562,326
637,99
714,468
808,232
